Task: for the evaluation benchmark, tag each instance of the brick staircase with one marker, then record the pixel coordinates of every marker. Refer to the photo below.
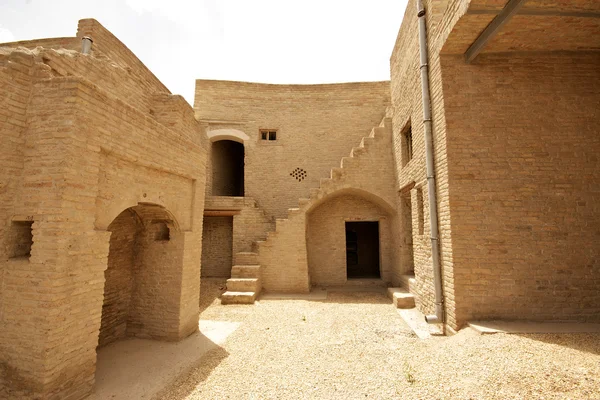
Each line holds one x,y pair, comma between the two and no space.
245,283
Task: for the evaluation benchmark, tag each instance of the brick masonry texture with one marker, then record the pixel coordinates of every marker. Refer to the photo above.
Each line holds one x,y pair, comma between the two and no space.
316,126
326,238
515,137
217,246
88,137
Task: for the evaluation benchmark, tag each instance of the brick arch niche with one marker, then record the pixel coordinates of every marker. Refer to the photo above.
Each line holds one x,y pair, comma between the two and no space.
142,277
328,225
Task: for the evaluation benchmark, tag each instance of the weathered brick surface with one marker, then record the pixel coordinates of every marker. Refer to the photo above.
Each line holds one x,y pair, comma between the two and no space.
365,174
407,105
79,154
119,278
523,150
317,126
509,130
217,247
326,238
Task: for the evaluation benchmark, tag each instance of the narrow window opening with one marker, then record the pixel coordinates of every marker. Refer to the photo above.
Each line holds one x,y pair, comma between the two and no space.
407,144
407,252
21,234
161,231
420,206
273,135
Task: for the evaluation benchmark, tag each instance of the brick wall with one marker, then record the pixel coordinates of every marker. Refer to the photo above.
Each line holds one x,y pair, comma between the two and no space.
368,174
69,43
217,246
507,135
87,151
316,126
523,151
326,238
118,278
411,174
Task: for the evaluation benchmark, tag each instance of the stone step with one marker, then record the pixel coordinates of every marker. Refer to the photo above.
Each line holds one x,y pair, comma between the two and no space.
238,298
357,151
243,285
401,298
347,162
408,282
246,258
245,271
367,141
303,201
379,133
336,173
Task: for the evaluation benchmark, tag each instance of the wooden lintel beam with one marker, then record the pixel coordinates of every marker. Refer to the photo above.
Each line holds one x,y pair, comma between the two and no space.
509,10
220,213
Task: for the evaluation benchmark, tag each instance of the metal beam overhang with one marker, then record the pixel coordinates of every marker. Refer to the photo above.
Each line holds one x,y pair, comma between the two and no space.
509,10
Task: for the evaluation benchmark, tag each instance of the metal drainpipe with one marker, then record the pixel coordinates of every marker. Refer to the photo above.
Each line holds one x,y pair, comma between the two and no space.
86,45
438,317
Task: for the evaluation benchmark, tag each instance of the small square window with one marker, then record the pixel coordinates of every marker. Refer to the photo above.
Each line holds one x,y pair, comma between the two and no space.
268,134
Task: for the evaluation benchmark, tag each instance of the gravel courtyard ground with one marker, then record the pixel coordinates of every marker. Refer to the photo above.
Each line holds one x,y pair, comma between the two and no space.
356,346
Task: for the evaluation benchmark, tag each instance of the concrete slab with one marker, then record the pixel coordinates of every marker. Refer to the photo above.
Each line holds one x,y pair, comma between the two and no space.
139,369
488,327
416,321
315,295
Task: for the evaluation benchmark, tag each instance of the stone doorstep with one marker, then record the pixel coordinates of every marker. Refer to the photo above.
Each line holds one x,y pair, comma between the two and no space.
238,297
245,271
243,284
401,298
519,327
408,282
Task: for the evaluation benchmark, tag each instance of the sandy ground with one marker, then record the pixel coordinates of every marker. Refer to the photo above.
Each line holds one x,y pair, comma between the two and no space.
356,346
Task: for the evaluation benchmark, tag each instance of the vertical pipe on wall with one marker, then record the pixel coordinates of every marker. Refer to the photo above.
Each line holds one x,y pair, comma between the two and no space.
86,45
438,317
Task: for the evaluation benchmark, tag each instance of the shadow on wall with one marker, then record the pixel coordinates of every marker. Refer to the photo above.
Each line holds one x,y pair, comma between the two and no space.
210,290
586,342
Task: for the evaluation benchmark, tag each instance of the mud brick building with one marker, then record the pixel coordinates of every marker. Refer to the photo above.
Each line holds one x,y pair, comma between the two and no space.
117,197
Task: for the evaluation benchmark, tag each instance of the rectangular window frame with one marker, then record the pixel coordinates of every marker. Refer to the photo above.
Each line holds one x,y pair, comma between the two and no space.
268,135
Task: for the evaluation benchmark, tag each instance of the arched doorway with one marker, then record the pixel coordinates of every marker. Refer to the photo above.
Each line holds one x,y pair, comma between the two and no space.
140,280
349,237
227,168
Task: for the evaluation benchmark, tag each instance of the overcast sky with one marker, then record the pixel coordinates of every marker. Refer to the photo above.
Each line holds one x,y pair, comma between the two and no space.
271,41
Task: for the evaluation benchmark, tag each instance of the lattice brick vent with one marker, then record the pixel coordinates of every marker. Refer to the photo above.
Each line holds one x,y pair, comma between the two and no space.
299,174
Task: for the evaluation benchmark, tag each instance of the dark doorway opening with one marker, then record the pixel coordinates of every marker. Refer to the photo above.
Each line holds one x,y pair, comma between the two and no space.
362,250
227,168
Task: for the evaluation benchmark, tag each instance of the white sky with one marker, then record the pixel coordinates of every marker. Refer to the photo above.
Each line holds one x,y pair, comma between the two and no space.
270,41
